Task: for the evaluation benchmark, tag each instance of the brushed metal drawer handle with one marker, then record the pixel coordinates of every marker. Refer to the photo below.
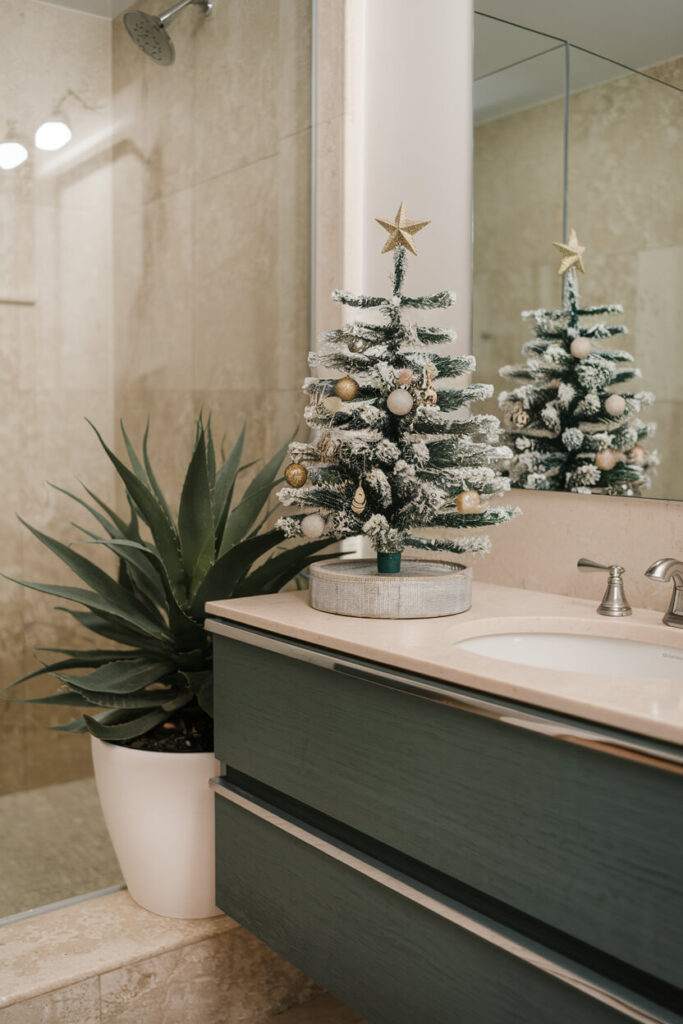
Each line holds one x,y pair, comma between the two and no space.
625,747
469,921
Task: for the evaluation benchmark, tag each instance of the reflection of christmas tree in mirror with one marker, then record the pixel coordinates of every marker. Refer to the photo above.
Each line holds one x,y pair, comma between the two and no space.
395,454
570,431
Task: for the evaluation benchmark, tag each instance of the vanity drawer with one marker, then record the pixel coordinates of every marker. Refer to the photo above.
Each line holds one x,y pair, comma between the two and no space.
396,952
585,842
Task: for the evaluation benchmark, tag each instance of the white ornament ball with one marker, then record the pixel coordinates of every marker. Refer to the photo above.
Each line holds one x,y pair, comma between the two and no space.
580,348
313,526
606,459
615,405
400,402
637,455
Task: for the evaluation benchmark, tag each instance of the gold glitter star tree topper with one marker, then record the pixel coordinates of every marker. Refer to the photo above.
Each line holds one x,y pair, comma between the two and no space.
571,253
401,230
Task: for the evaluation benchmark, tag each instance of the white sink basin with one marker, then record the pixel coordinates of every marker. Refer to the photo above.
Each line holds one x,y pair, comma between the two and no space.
591,655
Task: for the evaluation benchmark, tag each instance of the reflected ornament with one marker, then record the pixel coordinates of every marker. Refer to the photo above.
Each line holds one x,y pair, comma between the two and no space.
346,389
296,474
615,405
468,502
359,501
313,526
580,348
606,459
637,455
400,402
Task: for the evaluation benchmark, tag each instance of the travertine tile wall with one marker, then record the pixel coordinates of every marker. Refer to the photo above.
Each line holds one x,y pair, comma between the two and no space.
626,203
56,346
211,235
157,265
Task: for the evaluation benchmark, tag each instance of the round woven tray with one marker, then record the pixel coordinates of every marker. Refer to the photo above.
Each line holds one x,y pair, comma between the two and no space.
421,590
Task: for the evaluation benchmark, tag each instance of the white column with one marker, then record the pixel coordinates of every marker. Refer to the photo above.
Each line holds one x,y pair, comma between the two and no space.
408,137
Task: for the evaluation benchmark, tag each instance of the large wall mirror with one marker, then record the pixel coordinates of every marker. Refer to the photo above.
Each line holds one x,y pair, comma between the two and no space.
566,139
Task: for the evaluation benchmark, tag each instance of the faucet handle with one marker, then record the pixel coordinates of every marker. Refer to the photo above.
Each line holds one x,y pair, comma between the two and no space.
614,601
587,565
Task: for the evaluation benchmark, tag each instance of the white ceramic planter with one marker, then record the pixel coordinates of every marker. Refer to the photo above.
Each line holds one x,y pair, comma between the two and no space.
159,812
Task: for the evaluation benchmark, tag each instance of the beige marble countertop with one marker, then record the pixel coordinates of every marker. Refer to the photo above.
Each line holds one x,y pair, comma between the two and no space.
651,707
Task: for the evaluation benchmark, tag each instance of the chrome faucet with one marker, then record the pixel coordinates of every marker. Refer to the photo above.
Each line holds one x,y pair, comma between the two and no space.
614,599
666,570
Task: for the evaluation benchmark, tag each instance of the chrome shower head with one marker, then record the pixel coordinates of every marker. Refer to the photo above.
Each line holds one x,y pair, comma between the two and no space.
148,31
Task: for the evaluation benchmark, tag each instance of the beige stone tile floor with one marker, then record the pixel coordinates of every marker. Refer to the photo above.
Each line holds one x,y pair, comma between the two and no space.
53,846
108,961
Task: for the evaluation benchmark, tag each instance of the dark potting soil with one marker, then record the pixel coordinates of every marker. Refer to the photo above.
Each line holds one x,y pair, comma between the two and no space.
181,735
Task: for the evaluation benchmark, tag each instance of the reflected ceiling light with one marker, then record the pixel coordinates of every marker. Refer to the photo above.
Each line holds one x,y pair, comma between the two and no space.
52,135
12,154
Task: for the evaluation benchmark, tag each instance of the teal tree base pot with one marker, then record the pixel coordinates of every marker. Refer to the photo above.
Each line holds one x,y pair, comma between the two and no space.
388,561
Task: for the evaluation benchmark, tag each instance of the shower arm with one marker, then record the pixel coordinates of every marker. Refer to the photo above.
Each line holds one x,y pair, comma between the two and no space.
177,8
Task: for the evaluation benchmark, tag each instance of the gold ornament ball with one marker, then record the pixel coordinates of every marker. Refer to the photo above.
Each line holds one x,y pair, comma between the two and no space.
637,455
296,474
313,526
615,405
468,501
400,402
580,348
346,389
606,459
358,345
406,377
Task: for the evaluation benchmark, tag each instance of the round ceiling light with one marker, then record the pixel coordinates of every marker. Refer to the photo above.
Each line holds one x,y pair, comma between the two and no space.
12,154
52,135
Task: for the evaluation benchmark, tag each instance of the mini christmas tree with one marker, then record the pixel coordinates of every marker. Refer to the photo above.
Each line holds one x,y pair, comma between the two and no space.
570,430
391,453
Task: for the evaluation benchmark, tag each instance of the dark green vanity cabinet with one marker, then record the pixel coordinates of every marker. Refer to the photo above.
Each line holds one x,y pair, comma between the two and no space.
433,855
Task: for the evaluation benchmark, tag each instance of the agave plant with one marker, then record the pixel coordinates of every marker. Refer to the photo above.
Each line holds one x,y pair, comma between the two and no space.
159,674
